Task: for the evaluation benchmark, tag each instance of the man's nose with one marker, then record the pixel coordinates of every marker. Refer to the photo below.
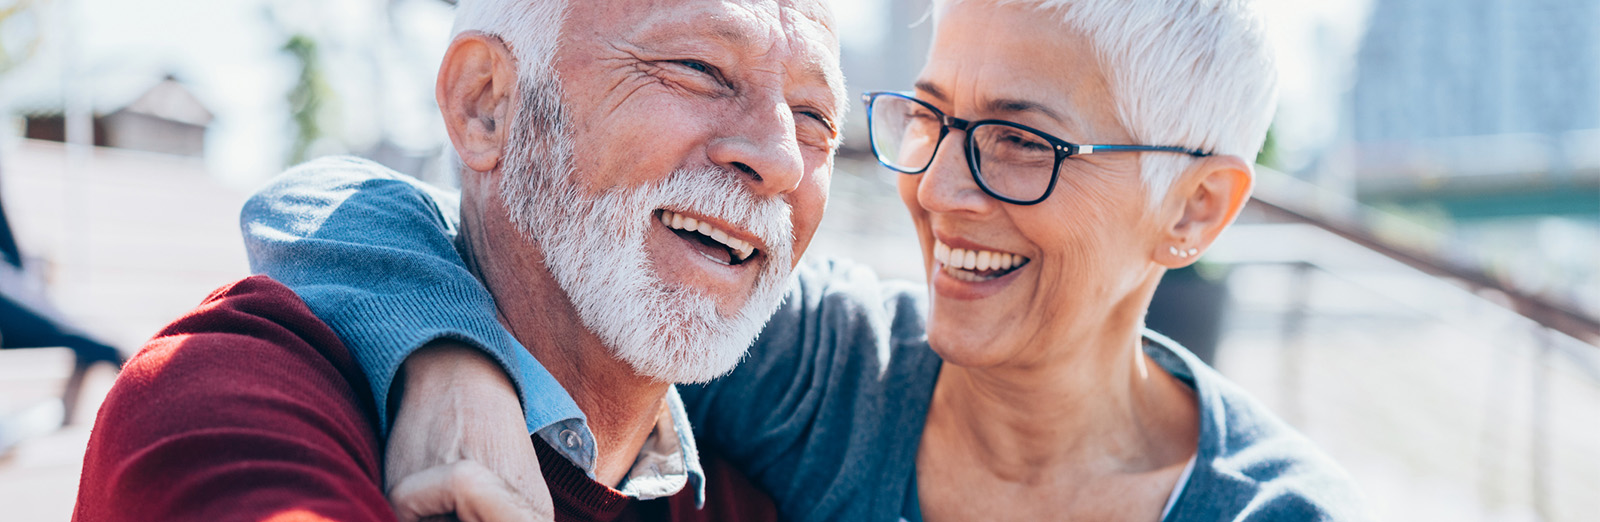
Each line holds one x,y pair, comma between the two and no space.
761,144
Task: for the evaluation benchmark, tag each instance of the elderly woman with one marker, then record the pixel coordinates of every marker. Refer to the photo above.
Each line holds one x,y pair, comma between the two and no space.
1058,157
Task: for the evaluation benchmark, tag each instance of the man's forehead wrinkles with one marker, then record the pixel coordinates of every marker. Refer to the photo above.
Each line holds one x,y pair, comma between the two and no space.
811,11
809,33
731,25
788,42
798,21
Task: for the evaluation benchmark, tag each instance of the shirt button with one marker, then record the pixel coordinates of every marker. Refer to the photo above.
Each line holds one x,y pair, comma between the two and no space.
570,438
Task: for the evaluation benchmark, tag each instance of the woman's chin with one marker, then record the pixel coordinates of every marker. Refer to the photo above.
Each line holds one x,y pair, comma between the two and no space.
964,346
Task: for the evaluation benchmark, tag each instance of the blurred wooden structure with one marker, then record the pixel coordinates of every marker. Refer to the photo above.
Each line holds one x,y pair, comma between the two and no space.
166,118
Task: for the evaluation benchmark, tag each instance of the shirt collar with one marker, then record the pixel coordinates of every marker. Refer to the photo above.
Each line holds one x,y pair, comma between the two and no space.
668,461
550,412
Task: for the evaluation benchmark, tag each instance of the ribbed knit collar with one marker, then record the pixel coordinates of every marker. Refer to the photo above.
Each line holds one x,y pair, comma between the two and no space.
574,493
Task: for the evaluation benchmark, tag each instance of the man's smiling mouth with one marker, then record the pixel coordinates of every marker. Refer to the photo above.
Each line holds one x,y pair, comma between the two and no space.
975,266
736,250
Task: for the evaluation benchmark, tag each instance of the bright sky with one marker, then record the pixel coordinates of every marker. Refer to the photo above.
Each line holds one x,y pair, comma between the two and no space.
1316,43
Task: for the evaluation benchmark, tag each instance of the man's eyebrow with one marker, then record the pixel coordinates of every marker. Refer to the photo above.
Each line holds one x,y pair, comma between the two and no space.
730,33
829,77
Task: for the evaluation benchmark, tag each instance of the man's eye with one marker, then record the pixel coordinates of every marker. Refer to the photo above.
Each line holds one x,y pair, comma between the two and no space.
696,66
815,116
815,129
702,75
818,119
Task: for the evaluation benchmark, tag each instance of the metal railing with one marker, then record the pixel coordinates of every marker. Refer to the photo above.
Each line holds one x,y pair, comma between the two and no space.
1280,196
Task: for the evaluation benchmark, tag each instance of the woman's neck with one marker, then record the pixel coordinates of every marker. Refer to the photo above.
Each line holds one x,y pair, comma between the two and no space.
1101,407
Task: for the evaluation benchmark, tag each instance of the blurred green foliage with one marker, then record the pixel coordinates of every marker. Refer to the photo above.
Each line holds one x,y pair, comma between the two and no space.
309,96
1269,151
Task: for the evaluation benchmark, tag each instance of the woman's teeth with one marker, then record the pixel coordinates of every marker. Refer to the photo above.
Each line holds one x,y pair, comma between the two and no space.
975,265
740,249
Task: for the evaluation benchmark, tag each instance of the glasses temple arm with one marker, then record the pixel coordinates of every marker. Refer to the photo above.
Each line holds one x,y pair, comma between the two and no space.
1091,149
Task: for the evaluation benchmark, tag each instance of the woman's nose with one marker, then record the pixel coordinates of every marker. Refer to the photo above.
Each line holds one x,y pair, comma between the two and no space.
947,185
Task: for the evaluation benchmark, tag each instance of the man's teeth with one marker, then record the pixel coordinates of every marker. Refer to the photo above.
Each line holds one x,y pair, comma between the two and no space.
975,260
741,249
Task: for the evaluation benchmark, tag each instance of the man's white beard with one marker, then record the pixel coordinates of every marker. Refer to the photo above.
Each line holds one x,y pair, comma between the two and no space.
594,247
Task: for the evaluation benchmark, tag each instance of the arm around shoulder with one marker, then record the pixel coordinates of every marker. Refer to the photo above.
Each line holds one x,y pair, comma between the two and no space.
372,253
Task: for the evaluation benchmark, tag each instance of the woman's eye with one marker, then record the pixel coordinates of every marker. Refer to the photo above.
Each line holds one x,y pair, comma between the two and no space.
1030,144
1023,141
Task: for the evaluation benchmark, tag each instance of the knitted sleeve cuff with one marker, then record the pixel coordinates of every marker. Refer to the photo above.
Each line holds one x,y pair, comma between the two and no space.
382,330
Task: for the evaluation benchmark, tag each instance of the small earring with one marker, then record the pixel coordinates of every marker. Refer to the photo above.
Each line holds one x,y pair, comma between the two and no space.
1174,251
1192,252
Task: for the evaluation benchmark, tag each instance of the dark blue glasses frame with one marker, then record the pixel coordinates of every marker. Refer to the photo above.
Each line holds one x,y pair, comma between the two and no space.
1063,149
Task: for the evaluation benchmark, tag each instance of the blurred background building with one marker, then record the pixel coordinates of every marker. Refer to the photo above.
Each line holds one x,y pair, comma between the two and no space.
1482,117
1416,286
160,116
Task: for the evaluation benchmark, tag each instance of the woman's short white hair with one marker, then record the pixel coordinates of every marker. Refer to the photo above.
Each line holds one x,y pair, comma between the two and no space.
1191,73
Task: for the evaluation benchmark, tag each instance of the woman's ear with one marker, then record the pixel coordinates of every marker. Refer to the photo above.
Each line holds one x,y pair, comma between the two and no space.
475,90
1208,197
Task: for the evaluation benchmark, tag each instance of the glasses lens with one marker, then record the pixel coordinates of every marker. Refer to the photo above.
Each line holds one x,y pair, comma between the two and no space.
1013,162
904,133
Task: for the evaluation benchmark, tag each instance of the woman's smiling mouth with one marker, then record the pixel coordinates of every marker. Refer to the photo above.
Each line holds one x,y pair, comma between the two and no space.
974,265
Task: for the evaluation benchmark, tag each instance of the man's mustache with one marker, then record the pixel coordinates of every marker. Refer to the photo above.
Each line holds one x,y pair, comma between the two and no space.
721,193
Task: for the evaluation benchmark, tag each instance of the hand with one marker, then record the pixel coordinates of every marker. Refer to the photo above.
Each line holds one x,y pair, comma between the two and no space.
463,490
459,444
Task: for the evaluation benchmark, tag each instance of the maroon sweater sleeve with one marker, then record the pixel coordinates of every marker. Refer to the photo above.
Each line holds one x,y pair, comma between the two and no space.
248,408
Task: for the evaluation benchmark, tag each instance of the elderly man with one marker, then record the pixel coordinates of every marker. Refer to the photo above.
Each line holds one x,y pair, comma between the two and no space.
637,183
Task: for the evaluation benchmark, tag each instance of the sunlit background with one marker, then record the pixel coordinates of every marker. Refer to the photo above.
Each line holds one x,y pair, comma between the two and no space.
1416,286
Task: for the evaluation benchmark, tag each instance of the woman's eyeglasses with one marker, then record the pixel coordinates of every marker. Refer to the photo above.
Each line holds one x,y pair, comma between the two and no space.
1011,162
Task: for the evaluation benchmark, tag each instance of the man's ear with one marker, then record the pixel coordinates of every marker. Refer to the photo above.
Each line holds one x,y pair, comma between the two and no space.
1208,196
475,90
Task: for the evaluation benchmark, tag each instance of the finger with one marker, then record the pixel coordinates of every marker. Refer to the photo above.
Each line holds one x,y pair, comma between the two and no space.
530,483
465,488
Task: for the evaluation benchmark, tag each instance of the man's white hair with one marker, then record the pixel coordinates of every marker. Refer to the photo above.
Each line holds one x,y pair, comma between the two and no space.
530,28
1191,73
